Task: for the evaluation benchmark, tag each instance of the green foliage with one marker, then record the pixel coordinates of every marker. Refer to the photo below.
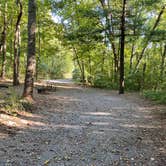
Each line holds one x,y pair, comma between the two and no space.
86,26
76,75
102,81
133,82
158,96
163,85
82,36
12,102
55,64
53,59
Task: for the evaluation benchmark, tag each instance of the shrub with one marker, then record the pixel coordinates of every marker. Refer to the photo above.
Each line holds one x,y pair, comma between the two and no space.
13,103
158,96
133,82
102,81
76,74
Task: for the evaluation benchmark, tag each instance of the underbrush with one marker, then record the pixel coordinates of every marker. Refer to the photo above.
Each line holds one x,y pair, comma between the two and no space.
11,102
158,96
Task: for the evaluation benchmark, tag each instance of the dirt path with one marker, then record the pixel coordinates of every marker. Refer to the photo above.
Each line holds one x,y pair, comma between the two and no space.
77,126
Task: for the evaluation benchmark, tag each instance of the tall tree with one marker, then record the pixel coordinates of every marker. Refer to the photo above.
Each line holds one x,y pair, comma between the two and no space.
31,59
122,44
162,66
3,43
17,45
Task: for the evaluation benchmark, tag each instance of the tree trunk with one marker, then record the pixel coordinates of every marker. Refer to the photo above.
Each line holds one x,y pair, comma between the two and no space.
132,52
162,63
38,56
90,66
3,44
31,59
39,44
11,44
83,71
77,59
122,44
110,35
104,54
17,47
81,65
143,75
131,57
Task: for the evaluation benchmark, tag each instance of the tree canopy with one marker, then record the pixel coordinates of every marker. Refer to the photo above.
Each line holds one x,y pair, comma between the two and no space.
85,37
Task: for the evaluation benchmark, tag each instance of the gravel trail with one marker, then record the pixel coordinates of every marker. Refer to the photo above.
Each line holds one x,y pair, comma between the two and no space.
77,126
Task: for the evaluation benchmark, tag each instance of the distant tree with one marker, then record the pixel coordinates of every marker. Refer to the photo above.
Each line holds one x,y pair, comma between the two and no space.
122,44
17,45
3,42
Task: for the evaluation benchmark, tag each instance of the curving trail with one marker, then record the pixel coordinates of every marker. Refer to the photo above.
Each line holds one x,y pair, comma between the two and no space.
77,126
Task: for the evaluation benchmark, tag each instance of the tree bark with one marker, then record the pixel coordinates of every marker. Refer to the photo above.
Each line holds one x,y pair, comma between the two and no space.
77,59
81,65
131,57
143,76
3,44
83,71
163,57
39,44
31,59
122,45
17,46
132,51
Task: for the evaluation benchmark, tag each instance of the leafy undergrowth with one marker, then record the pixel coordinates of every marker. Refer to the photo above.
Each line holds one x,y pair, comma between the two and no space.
11,102
158,96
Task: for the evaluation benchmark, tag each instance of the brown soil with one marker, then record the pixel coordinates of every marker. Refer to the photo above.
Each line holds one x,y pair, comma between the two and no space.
77,126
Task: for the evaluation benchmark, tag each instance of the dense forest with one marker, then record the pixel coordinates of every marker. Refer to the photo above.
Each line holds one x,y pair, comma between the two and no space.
107,44
82,82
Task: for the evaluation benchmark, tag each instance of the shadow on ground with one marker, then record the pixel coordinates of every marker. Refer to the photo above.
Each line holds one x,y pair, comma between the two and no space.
83,126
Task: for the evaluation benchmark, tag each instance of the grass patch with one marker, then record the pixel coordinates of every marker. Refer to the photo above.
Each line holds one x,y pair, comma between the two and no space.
158,96
11,102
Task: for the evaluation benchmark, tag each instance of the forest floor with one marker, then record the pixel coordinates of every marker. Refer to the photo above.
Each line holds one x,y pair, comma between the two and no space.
78,126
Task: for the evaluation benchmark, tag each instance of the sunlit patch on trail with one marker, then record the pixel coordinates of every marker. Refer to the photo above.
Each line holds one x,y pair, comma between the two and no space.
97,113
141,126
20,122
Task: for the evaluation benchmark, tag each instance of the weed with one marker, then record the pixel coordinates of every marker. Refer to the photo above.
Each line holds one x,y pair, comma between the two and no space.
158,96
12,102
